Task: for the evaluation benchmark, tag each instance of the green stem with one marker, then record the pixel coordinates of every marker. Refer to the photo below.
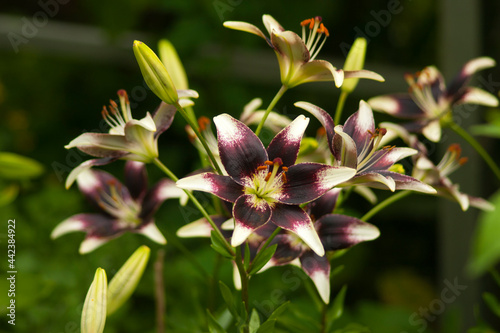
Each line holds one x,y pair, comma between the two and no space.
198,205
390,200
275,100
194,126
263,247
340,106
324,315
160,291
244,280
481,151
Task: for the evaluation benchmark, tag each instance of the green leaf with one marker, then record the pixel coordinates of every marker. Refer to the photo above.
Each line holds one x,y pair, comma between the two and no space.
492,302
227,295
486,247
262,258
246,260
213,325
218,245
337,305
254,323
267,326
17,167
8,194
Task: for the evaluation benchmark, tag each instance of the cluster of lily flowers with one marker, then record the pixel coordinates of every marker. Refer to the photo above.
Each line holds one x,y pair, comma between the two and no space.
287,191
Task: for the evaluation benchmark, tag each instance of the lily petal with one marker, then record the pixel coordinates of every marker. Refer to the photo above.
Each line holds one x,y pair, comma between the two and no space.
151,231
389,157
73,175
308,181
432,131
325,204
100,144
292,53
465,74
241,151
294,219
360,126
248,215
163,117
344,148
318,70
341,231
324,118
247,27
161,191
363,74
201,227
318,269
222,186
473,95
397,105
287,251
286,143
136,179
271,24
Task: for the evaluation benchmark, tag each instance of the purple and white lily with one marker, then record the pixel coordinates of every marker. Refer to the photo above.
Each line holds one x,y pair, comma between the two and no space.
266,185
123,208
296,55
128,138
335,231
429,101
357,145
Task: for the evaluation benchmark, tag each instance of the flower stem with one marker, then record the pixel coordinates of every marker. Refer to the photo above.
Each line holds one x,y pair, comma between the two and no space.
390,200
481,151
324,315
275,100
198,205
340,106
160,291
196,131
244,280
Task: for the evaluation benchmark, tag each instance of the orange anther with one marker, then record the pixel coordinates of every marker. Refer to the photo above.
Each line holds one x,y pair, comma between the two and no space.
268,163
268,176
305,22
262,167
113,104
455,148
283,177
203,122
321,131
463,160
285,169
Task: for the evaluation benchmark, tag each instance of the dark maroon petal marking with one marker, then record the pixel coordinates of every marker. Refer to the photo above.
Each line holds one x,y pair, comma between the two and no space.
308,181
288,249
154,198
248,216
222,186
360,126
324,205
324,118
340,231
136,179
241,151
99,226
163,117
286,143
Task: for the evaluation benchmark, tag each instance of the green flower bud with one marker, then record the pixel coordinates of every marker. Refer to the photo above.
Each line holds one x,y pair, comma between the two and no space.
173,64
155,74
123,284
94,308
354,62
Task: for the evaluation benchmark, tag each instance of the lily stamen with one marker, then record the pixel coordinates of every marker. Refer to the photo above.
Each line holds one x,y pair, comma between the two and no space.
316,30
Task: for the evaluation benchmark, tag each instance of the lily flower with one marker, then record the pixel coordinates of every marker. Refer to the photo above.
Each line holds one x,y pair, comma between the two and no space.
296,55
430,102
123,208
266,185
128,138
335,231
357,145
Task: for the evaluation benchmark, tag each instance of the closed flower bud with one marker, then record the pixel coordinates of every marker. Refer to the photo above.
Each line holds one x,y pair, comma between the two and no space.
354,62
94,308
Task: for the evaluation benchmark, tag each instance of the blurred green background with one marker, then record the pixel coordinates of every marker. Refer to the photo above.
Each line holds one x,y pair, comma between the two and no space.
56,75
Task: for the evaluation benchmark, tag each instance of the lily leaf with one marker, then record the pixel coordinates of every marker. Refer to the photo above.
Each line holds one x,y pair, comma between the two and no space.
17,167
492,302
262,259
268,325
254,324
337,306
218,246
8,194
486,248
227,295
213,325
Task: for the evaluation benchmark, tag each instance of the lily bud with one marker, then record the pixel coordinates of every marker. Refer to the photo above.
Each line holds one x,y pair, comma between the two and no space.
355,61
94,308
155,74
123,284
173,64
